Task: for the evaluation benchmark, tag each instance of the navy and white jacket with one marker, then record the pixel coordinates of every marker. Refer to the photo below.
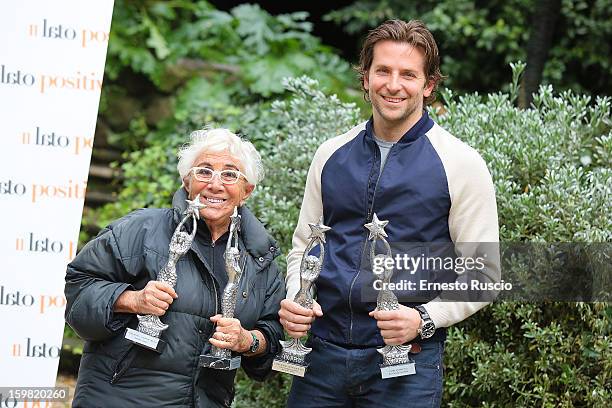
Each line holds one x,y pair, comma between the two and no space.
433,188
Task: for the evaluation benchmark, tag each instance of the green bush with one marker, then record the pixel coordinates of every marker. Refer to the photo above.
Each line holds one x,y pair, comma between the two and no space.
168,59
478,39
551,169
300,125
245,52
550,164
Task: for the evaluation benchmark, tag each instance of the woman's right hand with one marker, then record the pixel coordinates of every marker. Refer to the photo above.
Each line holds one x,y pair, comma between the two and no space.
154,299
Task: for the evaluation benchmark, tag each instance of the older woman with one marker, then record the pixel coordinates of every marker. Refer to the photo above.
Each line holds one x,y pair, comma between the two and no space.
113,279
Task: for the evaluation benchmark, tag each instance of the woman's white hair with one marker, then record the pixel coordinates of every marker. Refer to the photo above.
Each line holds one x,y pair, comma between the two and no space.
217,140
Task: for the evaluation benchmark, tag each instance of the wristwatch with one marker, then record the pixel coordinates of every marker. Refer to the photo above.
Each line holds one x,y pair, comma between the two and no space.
427,328
254,344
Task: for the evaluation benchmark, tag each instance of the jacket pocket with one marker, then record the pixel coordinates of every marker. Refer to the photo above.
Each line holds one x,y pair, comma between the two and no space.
123,363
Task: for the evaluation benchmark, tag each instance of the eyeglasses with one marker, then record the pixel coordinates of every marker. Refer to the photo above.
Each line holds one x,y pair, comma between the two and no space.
206,175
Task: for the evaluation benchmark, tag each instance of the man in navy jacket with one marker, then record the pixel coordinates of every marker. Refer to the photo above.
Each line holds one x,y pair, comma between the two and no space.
430,186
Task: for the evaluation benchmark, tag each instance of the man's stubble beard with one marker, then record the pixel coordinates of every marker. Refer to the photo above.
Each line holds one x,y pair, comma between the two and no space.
406,114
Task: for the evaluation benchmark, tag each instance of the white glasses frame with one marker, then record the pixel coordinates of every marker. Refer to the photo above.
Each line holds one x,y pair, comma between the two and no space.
219,174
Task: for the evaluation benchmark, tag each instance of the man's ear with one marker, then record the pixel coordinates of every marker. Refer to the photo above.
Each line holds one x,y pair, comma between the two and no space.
429,87
366,80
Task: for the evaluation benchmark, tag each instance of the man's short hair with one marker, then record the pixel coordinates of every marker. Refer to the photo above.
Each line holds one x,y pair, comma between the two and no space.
413,32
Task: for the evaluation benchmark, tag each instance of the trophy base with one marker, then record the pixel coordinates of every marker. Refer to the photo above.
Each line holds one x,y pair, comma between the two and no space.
398,370
219,363
289,368
144,340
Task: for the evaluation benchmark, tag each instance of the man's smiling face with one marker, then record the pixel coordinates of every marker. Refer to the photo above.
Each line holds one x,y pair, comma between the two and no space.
396,85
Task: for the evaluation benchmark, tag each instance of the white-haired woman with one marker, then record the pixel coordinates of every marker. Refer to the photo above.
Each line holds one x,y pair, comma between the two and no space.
113,279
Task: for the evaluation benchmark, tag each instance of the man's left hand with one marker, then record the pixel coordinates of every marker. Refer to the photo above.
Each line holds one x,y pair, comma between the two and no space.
397,326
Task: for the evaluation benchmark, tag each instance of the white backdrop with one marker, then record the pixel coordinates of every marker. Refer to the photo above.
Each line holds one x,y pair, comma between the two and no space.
52,57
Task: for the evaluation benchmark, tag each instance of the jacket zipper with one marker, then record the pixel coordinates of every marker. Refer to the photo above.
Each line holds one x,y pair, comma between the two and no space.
216,295
119,371
213,280
243,277
365,241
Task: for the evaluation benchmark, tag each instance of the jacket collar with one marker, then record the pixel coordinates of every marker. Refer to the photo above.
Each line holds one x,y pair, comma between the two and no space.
417,130
257,241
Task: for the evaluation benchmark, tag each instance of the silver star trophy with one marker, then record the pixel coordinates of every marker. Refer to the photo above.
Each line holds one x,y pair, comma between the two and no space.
219,358
396,360
291,359
150,327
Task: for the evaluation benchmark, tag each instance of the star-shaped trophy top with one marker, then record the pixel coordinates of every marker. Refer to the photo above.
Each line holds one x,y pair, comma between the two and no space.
377,228
194,206
317,231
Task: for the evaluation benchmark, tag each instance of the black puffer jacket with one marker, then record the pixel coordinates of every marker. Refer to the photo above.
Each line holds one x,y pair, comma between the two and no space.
126,255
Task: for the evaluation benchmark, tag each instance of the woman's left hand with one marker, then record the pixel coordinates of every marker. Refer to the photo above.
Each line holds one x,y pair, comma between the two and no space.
230,334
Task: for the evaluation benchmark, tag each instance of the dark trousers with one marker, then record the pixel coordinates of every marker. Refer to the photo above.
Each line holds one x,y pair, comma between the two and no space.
341,377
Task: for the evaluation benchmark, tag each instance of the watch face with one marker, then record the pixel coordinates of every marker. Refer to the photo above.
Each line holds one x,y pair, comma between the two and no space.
427,330
254,345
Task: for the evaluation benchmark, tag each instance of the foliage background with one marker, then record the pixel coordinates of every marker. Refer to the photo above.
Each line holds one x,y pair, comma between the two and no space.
174,66
479,38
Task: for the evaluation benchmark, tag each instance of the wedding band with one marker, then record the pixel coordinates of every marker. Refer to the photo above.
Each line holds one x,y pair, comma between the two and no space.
226,338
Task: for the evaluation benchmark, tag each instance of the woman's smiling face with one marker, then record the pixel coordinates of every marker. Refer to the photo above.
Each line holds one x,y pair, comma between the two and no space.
220,199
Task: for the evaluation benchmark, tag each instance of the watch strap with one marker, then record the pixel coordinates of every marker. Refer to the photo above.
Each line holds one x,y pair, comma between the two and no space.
423,312
254,343
427,328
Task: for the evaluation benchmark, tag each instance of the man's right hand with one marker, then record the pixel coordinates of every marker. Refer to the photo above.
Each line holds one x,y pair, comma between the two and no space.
154,299
297,319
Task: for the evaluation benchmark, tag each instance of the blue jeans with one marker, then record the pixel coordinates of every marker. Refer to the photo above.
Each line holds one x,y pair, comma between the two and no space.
350,378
